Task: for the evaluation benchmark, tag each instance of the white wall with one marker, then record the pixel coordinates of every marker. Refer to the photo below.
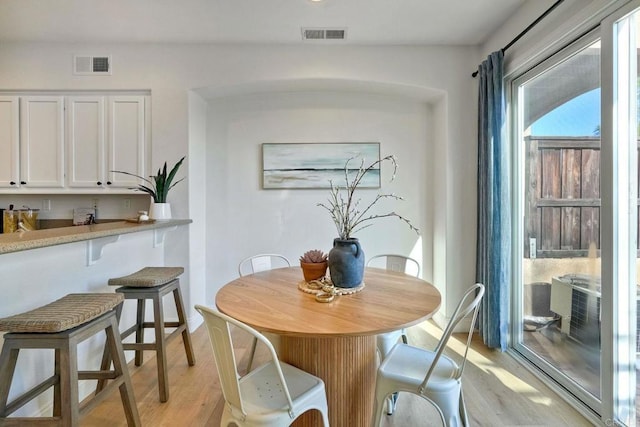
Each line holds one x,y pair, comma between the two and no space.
197,204
170,72
251,220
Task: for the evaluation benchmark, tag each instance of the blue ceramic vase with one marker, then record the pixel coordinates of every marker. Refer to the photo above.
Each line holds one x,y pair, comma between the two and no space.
346,263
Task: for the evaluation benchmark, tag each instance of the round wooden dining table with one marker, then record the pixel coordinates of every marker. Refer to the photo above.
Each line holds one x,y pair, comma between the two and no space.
335,341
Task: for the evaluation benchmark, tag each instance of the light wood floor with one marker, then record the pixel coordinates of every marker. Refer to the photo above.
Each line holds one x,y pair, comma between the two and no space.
498,391
579,362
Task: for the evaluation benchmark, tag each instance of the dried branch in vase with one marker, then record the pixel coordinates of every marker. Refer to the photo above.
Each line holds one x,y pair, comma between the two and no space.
344,207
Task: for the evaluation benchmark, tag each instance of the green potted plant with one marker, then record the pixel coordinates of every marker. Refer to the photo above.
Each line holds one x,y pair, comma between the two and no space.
158,186
313,264
346,258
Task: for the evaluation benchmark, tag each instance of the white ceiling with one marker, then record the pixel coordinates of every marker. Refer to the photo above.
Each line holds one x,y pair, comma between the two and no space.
439,22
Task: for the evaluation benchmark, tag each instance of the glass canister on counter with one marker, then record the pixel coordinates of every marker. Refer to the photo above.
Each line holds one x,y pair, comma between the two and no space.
9,220
28,219
19,219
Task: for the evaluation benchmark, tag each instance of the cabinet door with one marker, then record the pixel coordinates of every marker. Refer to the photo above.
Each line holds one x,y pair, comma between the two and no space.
85,141
9,142
126,140
41,141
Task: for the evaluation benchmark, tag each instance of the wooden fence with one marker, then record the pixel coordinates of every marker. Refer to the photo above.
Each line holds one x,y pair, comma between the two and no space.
562,204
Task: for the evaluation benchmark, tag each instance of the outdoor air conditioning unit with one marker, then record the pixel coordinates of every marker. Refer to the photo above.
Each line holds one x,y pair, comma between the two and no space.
576,298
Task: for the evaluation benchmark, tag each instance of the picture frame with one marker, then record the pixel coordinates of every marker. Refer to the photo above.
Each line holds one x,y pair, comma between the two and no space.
316,165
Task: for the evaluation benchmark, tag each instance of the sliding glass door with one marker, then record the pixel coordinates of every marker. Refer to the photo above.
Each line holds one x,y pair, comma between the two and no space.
620,255
559,157
575,130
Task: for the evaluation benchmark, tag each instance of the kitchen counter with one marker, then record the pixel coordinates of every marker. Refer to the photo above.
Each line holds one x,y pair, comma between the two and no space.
25,240
41,266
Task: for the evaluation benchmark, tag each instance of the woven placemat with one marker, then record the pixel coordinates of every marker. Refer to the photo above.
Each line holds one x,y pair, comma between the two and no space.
316,286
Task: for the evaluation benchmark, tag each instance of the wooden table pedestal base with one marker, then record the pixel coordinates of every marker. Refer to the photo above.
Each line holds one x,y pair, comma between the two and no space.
347,365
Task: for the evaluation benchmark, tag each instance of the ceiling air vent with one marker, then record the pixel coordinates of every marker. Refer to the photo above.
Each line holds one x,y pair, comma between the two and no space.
334,34
92,65
324,33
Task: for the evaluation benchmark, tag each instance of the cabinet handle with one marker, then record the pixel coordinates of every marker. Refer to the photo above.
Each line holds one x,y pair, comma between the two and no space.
99,182
23,182
108,182
12,183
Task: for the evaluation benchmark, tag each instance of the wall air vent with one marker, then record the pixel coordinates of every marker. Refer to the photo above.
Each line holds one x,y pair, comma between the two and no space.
324,33
92,65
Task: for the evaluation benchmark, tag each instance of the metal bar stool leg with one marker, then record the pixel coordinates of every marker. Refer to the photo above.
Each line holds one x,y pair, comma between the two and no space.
8,360
161,348
106,354
119,366
182,321
140,331
69,384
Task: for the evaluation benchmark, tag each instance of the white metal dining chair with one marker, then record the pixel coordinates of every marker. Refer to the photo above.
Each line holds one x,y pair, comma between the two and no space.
262,262
403,264
386,341
256,264
395,262
430,374
273,394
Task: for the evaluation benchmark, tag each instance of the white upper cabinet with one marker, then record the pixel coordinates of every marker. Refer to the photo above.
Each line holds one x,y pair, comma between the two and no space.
86,141
105,134
72,143
9,141
41,142
126,139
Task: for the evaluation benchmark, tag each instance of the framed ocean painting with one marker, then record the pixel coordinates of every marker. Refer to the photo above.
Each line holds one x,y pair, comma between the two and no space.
314,165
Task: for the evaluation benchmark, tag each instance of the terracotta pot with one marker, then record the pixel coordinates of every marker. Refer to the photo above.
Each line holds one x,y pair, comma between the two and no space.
313,270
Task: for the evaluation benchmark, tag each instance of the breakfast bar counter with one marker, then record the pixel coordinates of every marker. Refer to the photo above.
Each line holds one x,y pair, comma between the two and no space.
25,240
41,266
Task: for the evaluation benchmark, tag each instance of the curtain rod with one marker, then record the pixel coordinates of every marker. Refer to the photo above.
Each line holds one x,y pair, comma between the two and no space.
526,30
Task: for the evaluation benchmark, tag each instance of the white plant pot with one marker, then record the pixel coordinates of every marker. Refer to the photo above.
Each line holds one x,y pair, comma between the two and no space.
160,211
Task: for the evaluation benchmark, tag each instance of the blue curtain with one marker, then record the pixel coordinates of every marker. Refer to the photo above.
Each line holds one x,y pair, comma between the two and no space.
494,204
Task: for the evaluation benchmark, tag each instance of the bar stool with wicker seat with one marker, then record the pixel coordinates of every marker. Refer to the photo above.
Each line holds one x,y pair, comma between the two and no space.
61,326
154,283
